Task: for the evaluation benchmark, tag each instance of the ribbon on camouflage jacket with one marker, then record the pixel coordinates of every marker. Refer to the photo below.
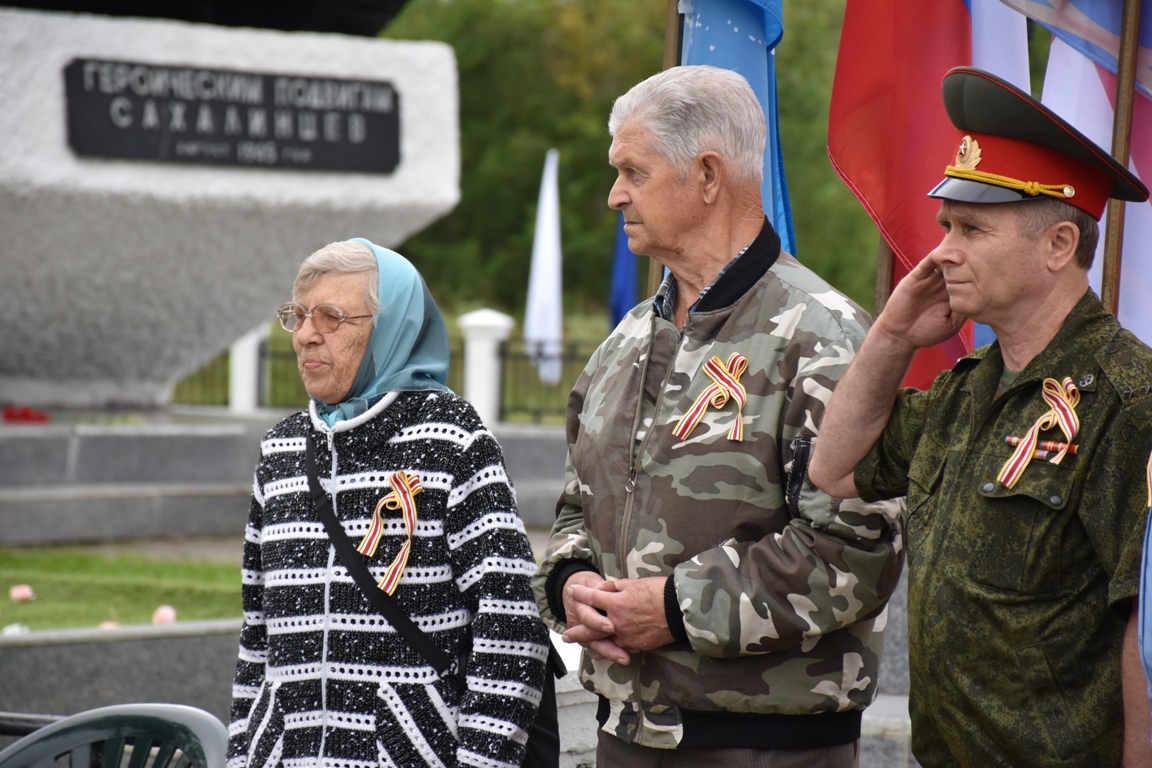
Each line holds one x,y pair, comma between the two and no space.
726,386
401,497
1062,398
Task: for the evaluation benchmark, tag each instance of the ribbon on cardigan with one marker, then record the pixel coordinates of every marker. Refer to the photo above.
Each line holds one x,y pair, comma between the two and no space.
1062,398
725,386
401,497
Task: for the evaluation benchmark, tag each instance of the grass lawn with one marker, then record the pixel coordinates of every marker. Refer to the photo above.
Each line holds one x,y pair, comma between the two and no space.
77,589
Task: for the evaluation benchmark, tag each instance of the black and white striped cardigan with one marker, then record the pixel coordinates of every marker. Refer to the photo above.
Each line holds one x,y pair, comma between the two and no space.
322,678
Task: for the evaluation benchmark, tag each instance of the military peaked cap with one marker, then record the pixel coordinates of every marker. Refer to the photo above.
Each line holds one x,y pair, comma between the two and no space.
1011,148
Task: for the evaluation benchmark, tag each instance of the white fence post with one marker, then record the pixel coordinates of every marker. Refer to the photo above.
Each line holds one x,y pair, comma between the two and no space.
484,330
244,371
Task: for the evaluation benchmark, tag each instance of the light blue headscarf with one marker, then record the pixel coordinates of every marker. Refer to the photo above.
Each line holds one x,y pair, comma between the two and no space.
408,348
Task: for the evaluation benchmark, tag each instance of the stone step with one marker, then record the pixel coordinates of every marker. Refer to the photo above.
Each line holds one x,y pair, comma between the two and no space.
109,512
48,455
83,454
93,482
536,501
112,512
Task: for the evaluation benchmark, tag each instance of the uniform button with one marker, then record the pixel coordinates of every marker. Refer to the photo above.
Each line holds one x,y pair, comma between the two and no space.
987,487
1056,500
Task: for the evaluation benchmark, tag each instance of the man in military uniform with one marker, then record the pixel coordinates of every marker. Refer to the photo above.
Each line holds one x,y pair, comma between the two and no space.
731,613
1024,465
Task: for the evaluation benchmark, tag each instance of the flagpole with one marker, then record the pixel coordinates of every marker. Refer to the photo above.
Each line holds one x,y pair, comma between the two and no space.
673,34
673,39
1121,146
885,272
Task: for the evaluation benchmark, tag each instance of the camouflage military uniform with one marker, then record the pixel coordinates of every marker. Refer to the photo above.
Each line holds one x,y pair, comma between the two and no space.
780,588
1018,597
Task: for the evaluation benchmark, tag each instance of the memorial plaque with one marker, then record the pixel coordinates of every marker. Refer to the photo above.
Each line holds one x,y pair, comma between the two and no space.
178,114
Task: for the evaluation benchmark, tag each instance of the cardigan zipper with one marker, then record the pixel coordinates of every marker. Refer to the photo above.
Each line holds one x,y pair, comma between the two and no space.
327,599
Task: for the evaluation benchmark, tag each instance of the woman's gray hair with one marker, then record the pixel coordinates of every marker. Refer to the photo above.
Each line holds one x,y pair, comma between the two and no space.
695,109
343,257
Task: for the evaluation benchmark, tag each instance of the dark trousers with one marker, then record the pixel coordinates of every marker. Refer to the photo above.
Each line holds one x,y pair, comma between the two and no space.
612,752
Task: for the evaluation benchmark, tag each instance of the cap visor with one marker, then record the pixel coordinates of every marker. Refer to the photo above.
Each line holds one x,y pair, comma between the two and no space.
965,191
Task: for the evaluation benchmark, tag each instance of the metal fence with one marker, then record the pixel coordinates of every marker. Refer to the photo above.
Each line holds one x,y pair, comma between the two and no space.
525,397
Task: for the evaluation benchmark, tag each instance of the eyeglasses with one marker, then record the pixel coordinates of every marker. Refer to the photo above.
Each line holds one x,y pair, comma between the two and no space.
325,317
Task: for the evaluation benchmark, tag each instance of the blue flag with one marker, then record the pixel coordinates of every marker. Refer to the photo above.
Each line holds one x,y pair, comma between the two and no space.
1144,616
624,294
741,35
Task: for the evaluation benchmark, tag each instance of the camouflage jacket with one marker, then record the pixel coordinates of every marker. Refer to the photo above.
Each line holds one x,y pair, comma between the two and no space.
781,588
1018,597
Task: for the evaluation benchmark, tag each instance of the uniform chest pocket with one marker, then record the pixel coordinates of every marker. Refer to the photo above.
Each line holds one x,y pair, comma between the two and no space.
1017,534
923,483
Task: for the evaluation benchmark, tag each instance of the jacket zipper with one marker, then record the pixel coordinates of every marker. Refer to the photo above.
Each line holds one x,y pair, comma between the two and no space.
634,452
630,485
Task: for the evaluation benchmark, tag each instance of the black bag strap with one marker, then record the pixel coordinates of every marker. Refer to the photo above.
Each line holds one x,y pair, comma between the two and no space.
381,600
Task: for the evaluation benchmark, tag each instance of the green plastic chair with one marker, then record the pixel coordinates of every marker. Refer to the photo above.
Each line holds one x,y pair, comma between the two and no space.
125,736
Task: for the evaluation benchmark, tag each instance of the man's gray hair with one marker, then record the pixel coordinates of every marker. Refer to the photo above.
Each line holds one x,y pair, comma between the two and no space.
691,110
343,257
1035,216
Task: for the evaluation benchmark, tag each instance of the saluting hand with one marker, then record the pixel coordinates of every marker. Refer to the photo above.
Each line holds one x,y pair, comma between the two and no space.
918,313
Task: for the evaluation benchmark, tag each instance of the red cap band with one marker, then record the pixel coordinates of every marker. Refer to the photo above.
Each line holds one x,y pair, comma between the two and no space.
1031,170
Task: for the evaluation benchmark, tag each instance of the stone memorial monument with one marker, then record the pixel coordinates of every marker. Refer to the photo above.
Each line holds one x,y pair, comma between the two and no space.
161,181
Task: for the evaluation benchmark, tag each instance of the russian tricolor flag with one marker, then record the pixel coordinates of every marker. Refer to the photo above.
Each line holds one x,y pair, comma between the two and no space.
1080,86
888,135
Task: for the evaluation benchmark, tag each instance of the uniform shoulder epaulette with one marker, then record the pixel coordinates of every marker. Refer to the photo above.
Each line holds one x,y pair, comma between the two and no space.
971,360
1127,362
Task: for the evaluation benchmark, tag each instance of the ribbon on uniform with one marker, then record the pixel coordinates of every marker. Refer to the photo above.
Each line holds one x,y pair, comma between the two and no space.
1062,398
725,386
401,497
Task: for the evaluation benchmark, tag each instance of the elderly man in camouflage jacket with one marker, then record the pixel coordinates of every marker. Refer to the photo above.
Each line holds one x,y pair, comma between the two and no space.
729,610
1024,465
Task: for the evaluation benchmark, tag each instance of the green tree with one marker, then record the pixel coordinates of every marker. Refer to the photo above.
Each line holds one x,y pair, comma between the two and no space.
834,235
533,74
536,74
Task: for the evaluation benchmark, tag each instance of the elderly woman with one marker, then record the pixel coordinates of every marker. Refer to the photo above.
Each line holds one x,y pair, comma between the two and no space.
323,679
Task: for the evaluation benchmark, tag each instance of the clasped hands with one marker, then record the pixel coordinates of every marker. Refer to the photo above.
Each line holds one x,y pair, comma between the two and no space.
614,618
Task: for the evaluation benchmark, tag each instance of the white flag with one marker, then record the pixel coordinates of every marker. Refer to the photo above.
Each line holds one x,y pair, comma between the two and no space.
543,318
1082,94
